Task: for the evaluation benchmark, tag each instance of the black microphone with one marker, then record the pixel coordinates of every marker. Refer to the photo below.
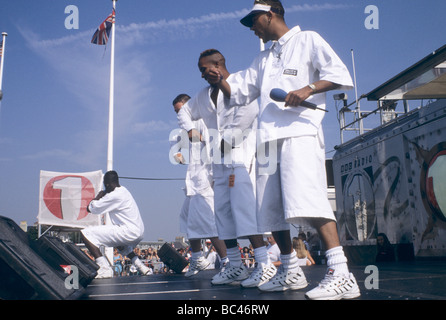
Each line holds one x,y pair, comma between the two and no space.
279,95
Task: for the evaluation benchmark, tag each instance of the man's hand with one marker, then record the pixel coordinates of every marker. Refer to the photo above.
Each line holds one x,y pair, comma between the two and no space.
295,98
179,158
213,76
195,136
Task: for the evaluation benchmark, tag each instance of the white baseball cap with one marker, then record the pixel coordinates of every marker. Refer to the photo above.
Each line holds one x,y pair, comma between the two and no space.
258,8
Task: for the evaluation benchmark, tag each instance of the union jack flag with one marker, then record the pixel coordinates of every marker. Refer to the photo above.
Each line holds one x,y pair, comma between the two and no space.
1,48
102,34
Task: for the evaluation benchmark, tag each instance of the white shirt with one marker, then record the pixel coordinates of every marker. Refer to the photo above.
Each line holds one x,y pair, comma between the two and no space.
223,121
199,169
122,209
296,60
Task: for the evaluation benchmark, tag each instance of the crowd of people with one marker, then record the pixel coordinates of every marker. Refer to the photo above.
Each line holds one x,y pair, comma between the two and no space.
122,265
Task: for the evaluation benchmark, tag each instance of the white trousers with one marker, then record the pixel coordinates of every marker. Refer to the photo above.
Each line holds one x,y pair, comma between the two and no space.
113,236
197,218
297,190
235,207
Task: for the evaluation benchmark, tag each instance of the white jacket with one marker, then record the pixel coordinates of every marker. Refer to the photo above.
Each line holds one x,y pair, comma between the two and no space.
122,210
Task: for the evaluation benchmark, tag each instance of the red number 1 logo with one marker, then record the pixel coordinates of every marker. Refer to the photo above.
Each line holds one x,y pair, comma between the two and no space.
68,196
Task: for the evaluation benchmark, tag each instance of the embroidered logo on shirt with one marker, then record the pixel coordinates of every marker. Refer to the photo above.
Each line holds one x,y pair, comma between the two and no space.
290,72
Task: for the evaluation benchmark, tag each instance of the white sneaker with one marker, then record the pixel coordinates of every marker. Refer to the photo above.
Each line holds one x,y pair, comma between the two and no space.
335,287
104,272
261,275
142,268
196,266
230,274
286,280
222,269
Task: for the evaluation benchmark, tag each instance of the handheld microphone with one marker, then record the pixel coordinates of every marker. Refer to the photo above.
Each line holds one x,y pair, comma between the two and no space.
279,95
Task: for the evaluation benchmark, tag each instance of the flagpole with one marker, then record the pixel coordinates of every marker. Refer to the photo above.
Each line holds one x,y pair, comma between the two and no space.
108,251
111,97
4,34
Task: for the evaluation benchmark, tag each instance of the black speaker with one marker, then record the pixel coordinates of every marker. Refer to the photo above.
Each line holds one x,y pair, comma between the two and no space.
172,258
24,274
57,253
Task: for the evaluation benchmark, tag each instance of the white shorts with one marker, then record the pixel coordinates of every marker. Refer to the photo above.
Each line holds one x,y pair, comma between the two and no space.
297,190
113,236
235,207
197,218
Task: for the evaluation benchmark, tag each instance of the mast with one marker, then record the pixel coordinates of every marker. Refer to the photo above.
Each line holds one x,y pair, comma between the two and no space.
358,104
2,61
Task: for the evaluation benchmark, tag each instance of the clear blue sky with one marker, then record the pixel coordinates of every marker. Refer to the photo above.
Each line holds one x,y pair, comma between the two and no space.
54,114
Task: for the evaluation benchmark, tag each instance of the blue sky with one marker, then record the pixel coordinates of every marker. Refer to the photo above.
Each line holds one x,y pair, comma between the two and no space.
54,113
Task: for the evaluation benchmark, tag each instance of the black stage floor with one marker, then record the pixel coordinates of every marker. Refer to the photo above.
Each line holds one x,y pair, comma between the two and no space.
420,280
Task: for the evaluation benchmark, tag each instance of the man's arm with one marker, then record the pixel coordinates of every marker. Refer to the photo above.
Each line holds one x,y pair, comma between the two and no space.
101,194
295,98
225,88
185,121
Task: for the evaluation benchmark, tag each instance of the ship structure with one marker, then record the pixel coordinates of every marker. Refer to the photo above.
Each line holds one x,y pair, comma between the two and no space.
392,179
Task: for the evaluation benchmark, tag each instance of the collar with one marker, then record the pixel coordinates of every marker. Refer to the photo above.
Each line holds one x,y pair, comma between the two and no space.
287,36
278,45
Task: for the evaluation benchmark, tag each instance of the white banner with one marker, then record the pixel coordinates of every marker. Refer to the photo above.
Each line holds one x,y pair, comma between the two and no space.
64,198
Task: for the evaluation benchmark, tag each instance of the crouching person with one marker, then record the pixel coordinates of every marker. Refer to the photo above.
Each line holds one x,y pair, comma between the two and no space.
126,230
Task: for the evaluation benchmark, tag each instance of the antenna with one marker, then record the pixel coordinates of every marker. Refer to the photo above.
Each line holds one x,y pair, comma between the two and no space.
358,104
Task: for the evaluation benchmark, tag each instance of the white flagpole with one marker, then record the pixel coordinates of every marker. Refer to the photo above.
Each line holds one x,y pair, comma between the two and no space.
4,34
111,97
108,251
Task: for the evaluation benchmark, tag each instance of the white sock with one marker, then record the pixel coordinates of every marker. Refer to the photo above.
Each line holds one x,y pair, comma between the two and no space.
289,261
102,262
234,256
337,261
261,255
196,255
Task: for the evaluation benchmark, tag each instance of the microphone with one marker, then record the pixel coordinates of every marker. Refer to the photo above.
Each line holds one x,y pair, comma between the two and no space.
279,95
